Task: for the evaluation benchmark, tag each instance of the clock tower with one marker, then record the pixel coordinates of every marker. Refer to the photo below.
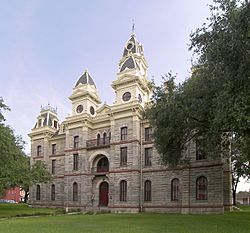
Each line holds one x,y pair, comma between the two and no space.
131,84
85,98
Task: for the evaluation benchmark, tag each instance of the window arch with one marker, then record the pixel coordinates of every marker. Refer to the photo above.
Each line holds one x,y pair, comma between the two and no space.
38,192
53,192
104,138
98,139
147,190
76,141
175,190
201,188
75,191
123,190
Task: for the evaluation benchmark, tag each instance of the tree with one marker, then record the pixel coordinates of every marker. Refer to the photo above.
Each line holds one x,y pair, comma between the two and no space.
15,166
29,175
240,165
214,103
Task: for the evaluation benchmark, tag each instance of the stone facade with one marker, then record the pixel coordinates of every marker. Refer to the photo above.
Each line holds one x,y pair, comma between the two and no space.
103,158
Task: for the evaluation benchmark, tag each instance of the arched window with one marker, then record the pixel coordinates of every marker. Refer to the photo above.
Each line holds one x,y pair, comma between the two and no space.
124,133
75,191
98,139
103,165
104,138
147,190
123,190
201,188
39,150
38,192
76,141
53,192
175,190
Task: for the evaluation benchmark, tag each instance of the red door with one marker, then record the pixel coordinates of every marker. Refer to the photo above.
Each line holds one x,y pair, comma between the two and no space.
104,194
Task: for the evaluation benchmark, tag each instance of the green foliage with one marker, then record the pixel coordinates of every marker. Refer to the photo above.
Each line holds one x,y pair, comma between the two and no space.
15,166
214,103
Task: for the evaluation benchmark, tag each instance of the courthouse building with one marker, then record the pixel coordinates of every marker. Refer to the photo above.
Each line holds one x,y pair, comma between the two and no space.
102,157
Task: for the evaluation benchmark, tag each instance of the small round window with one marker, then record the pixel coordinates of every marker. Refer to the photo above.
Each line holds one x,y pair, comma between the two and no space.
126,96
79,108
92,110
130,45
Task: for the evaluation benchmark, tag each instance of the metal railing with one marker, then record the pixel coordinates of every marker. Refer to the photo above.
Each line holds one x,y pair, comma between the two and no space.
100,169
99,142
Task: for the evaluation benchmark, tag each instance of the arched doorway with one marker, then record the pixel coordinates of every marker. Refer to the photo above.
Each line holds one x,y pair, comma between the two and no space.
104,194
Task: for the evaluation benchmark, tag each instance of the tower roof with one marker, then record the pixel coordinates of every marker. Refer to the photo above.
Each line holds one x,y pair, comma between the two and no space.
132,46
85,79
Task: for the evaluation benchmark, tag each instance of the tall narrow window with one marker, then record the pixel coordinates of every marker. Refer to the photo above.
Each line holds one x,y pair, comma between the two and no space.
75,162
75,191
98,139
104,138
53,166
148,134
123,190
147,190
53,149
123,156
39,150
53,192
148,156
76,141
200,152
124,133
201,188
38,192
175,190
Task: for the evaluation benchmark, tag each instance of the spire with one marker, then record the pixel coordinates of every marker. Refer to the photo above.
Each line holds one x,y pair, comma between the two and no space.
133,27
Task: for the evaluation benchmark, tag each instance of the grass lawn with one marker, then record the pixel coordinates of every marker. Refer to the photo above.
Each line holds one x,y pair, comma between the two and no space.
130,223
13,210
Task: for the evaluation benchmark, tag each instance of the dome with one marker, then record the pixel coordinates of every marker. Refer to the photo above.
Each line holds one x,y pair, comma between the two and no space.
85,79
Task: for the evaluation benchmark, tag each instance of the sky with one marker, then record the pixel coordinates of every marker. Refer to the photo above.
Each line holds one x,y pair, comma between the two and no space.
46,45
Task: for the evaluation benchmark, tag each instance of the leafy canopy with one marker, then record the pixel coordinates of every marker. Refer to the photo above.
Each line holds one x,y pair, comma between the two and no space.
214,103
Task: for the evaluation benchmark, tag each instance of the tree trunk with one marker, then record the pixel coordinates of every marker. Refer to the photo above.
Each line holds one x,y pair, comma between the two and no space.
26,196
234,196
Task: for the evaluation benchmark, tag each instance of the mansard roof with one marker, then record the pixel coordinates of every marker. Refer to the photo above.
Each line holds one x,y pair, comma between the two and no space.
85,79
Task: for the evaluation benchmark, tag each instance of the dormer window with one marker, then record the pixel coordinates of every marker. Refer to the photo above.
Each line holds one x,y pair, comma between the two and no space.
55,124
40,123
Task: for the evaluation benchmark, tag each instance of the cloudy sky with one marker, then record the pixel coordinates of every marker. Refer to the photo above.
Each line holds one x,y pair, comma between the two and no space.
46,45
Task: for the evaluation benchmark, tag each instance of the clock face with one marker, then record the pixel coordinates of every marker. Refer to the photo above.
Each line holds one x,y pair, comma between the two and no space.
130,45
79,108
92,110
126,96
139,98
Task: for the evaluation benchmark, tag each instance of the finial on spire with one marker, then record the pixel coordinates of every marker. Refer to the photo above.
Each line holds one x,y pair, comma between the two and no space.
133,27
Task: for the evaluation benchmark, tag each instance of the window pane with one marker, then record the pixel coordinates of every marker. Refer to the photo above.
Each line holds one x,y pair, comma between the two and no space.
123,156
123,190
148,156
147,190
124,132
201,188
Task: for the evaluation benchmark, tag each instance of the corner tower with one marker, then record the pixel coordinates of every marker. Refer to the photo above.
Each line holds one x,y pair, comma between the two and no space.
132,83
85,98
